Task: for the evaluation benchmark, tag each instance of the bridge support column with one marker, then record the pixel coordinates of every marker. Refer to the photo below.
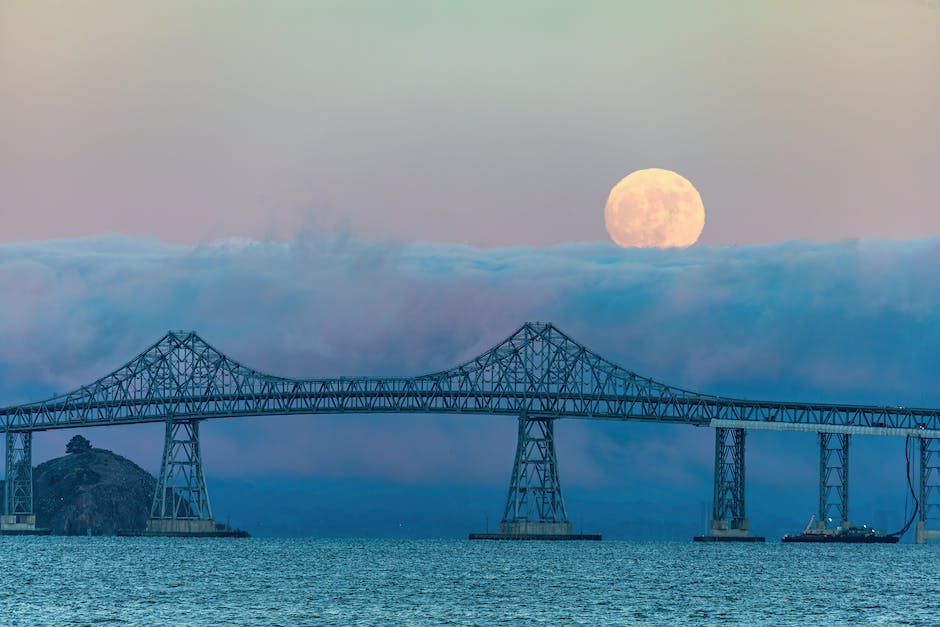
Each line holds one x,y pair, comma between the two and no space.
833,481
729,521
929,491
181,501
535,504
18,515
535,507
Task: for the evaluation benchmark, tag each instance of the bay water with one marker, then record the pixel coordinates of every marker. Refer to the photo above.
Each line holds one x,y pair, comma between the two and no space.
147,581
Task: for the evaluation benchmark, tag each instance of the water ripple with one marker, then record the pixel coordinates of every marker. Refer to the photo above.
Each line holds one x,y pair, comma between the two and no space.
145,581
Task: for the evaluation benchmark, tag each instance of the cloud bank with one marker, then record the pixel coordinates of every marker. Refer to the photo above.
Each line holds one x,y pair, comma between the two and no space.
852,321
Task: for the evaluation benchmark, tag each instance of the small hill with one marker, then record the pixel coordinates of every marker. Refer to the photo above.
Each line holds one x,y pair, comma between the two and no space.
91,489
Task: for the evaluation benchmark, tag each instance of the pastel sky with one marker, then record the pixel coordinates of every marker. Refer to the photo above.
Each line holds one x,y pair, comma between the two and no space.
346,188
486,123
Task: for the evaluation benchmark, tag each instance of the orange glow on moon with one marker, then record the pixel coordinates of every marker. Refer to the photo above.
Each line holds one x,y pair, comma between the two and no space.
654,209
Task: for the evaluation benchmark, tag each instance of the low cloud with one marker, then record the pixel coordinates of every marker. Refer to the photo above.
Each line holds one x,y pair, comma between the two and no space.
851,321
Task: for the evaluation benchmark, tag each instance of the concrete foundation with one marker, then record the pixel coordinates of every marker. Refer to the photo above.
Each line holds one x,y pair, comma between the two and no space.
721,532
179,525
728,539
922,534
18,521
21,525
721,528
186,528
594,537
535,528
521,530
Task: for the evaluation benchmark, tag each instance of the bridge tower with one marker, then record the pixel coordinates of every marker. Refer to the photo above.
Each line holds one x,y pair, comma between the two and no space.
181,501
535,507
833,481
18,515
929,496
535,504
729,520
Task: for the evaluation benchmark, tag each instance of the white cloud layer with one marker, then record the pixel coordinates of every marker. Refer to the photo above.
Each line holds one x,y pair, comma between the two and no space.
852,321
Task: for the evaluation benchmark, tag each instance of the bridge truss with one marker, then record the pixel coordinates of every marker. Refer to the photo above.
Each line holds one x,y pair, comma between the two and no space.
538,374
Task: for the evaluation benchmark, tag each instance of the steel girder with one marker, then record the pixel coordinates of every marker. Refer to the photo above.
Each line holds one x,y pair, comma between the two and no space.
535,490
833,480
181,492
537,371
18,487
728,506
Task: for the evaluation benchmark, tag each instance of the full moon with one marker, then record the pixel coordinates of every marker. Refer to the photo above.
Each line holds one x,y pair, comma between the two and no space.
654,209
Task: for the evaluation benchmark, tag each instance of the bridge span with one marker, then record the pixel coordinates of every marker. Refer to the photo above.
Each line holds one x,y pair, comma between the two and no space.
538,375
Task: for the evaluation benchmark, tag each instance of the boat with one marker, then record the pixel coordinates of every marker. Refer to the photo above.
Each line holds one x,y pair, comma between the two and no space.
845,534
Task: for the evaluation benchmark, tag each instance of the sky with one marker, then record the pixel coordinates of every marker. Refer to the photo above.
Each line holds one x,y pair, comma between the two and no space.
355,188
484,123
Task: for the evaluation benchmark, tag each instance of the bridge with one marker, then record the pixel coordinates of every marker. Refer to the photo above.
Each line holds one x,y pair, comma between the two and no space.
537,375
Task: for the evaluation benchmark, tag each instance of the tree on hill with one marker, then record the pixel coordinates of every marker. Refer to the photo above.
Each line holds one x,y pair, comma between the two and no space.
78,444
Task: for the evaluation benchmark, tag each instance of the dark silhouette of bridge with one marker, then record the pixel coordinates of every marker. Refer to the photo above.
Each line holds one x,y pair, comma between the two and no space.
538,374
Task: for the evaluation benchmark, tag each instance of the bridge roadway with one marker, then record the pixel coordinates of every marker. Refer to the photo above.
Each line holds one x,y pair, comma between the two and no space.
538,374
538,371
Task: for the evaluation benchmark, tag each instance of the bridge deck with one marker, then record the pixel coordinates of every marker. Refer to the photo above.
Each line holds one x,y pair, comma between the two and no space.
536,371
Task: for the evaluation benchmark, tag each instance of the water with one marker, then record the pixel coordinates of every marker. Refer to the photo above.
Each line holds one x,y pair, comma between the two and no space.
147,581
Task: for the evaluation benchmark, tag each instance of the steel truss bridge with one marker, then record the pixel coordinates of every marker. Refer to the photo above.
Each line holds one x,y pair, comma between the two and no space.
538,375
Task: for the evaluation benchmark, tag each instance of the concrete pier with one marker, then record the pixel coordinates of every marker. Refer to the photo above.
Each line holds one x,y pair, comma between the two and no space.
728,539
524,530
592,537
21,525
721,532
187,528
922,534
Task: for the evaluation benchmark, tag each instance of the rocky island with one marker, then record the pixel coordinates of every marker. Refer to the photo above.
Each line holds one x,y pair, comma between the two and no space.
91,491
